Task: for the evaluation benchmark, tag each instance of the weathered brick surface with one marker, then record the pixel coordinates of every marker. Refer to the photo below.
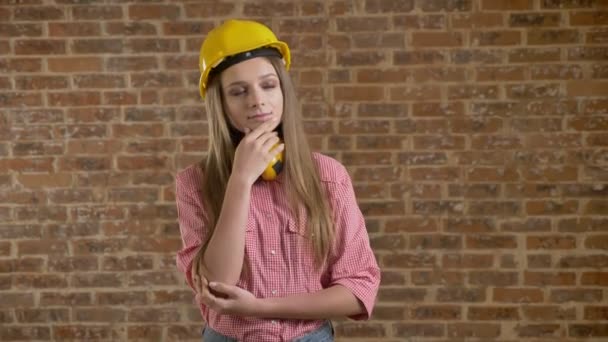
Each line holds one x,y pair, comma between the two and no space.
475,131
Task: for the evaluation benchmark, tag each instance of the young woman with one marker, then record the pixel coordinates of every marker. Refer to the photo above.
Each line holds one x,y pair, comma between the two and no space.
271,258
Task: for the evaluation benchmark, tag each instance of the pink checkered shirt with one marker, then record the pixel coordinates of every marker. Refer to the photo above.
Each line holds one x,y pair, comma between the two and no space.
276,253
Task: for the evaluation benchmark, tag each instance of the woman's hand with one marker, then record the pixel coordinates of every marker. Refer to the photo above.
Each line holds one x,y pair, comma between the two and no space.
225,299
255,151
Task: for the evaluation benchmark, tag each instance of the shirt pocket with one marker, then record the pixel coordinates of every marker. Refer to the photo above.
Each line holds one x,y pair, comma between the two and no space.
294,228
303,275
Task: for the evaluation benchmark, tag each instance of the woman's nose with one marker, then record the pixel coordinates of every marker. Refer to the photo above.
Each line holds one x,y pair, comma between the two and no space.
256,98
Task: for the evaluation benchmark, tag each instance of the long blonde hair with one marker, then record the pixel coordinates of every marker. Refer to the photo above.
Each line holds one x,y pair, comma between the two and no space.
307,197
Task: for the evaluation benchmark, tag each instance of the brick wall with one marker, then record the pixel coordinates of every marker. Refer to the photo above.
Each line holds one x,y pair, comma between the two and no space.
476,133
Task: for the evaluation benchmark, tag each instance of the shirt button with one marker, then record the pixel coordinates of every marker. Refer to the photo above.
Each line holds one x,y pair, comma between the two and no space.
274,292
274,322
273,252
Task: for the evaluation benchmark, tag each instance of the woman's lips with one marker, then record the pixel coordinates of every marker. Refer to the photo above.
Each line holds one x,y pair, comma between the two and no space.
261,117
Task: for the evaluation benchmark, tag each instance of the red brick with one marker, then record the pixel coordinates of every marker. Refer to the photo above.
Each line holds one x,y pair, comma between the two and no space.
360,330
543,279
594,279
447,242
154,278
100,315
493,278
436,312
132,28
431,21
532,55
596,313
538,330
74,29
84,163
99,81
575,295
548,313
148,12
155,45
433,39
595,88
119,98
492,38
41,13
208,9
409,260
105,12
141,162
468,261
97,46
354,24
517,295
437,207
556,72
588,330
64,332
406,330
439,142
550,242
40,281
131,298
587,53
389,208
80,98
558,4
308,25
553,37
503,208
515,5
460,294
418,57
25,333
410,225
388,313
151,332
447,6
477,330
440,278
75,64
477,20
170,297
551,207
496,313
16,30
539,19
461,92
387,6
269,9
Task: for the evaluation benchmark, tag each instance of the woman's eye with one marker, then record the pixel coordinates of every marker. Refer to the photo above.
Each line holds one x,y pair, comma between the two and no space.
269,86
237,92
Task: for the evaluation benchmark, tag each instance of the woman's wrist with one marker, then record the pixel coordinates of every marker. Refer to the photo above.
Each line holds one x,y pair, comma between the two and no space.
265,308
241,180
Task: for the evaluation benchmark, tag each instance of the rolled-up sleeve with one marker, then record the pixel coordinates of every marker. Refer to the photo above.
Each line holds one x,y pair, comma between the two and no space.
352,264
190,215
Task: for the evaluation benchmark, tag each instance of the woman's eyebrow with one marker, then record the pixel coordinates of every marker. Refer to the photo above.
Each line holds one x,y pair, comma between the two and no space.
245,83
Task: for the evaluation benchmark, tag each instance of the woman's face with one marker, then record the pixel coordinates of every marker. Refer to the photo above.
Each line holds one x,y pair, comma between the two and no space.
252,93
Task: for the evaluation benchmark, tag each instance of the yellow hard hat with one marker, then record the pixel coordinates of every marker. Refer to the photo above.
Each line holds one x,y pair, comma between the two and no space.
234,41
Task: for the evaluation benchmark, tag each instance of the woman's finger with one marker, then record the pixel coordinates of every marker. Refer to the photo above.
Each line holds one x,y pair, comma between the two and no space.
195,282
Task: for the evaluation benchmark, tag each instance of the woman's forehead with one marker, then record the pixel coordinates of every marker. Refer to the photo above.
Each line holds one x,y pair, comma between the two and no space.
248,71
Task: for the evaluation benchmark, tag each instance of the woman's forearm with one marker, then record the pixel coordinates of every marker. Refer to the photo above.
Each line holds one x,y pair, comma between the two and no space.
223,257
335,301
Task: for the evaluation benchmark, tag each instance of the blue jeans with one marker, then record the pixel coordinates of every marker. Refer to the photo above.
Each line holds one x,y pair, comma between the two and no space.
324,334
